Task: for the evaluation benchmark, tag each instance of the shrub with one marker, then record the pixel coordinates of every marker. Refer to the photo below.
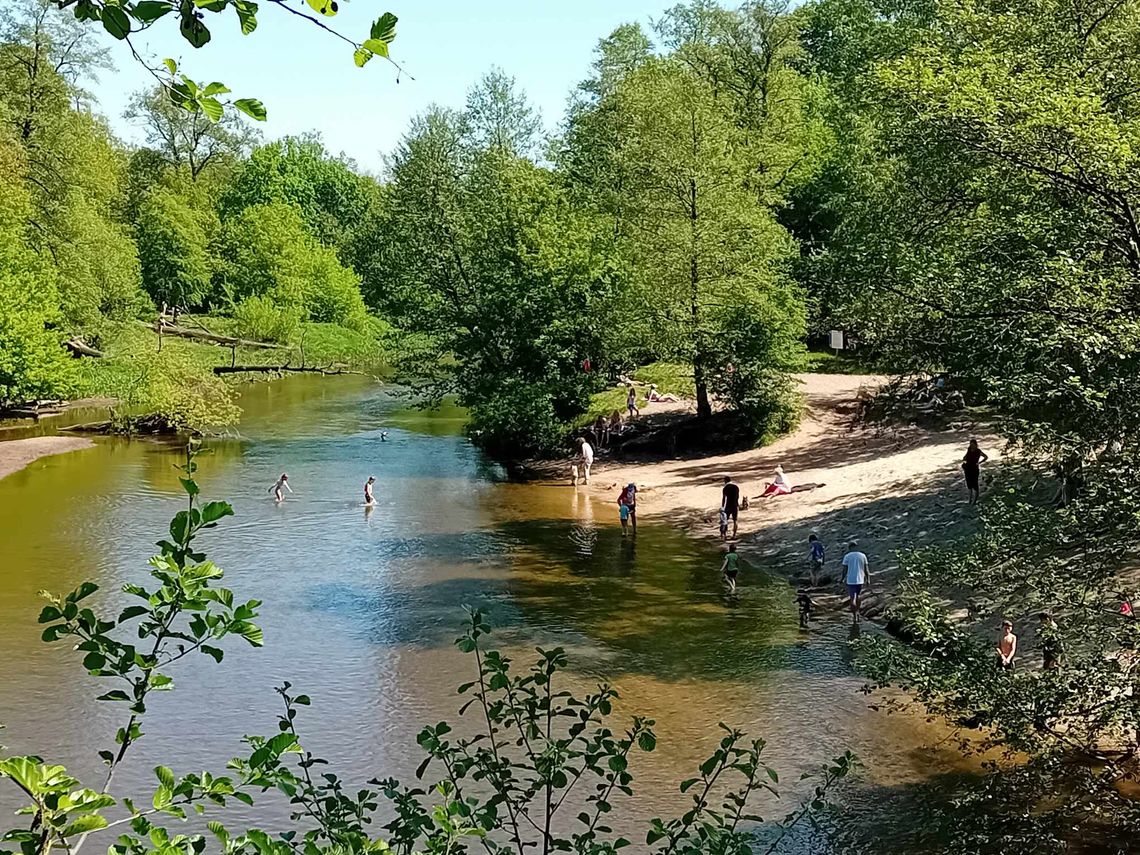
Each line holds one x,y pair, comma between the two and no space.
516,421
261,319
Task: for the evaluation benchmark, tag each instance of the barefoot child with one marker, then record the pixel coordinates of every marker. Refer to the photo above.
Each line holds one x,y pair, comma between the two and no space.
1007,646
731,567
627,507
817,556
282,484
369,498
723,524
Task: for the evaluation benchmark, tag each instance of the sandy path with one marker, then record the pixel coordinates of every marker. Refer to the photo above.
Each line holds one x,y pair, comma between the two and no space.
15,454
889,489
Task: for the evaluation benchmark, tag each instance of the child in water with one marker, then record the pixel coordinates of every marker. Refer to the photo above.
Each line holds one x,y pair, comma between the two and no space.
817,556
731,567
282,484
804,601
369,499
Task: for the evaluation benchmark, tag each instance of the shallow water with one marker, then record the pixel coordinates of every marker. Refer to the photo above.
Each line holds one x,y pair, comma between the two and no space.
361,606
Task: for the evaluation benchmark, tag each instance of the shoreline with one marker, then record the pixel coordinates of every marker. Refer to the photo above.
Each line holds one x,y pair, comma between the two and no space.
17,454
890,488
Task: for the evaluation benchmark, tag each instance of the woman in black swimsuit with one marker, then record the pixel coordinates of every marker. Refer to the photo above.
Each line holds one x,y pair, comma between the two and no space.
972,466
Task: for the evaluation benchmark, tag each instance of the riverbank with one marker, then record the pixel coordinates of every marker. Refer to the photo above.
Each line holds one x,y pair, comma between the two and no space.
889,488
16,454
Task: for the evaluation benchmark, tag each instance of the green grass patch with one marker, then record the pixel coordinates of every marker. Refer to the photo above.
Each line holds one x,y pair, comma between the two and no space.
670,377
827,362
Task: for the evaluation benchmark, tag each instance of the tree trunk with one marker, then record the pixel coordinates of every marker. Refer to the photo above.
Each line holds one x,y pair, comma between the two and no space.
704,408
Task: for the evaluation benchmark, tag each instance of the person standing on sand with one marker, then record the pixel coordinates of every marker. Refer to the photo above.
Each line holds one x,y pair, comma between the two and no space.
585,459
1007,646
627,507
731,568
369,498
730,502
282,484
858,576
972,467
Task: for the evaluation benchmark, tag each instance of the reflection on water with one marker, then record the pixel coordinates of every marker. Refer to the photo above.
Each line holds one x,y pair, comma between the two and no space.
362,604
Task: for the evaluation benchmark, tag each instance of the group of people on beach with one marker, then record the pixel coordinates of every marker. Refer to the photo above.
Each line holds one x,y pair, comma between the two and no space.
856,570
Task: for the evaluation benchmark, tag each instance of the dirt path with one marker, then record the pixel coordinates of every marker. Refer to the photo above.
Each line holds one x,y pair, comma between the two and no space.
15,454
888,489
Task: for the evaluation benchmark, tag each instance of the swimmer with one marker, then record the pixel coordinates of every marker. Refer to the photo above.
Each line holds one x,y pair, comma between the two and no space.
282,484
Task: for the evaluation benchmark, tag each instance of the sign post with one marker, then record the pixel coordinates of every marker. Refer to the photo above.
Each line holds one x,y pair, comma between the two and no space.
836,343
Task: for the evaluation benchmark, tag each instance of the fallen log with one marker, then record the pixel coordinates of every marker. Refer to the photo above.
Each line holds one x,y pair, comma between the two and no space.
201,335
81,348
270,369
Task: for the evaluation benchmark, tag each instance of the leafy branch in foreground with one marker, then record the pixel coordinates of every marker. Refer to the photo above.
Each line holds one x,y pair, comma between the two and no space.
124,19
537,754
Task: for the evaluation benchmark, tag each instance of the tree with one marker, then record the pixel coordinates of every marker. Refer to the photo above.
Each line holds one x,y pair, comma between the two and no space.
331,196
188,139
499,116
701,243
267,252
33,364
487,261
174,248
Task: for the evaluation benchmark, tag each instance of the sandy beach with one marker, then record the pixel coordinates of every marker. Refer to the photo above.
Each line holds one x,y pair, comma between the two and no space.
15,454
887,488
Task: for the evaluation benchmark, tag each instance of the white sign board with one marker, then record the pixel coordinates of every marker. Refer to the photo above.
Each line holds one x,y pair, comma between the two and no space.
836,340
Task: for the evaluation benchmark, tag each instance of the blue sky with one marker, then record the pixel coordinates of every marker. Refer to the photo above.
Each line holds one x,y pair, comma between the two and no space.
308,81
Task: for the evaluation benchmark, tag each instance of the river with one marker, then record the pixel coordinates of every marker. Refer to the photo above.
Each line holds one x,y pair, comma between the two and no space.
361,608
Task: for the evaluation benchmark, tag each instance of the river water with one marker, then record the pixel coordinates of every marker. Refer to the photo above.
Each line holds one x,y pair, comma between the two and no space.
361,608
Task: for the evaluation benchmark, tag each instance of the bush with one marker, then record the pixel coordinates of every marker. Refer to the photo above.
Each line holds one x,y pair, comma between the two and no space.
261,319
517,421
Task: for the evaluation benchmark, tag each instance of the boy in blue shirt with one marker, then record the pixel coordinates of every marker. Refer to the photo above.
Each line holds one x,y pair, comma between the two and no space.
817,557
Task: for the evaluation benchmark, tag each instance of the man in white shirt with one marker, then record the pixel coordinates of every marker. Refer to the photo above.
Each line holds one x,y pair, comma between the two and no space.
858,576
585,458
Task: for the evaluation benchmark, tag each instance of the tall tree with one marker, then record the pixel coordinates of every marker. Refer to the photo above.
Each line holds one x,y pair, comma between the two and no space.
500,116
189,139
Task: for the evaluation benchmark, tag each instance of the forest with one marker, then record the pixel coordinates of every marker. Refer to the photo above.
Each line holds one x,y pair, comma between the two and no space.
954,184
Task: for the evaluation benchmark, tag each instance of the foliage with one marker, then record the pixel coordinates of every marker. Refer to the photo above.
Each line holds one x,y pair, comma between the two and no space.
267,252
188,139
501,790
174,240
493,267
260,319
331,197
32,363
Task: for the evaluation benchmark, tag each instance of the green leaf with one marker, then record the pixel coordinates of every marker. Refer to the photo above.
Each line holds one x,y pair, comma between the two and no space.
212,107
188,484
171,65
165,776
84,824
215,652
214,511
194,31
49,614
252,107
210,90
247,14
328,8
94,661
150,10
377,46
384,27
82,592
360,56
116,22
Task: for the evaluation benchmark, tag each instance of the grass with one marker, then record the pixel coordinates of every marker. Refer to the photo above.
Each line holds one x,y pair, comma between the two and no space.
827,362
180,378
670,377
